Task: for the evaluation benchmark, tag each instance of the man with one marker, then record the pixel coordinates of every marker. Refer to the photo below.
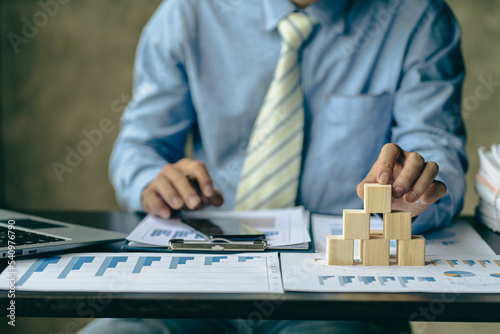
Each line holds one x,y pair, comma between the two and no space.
374,87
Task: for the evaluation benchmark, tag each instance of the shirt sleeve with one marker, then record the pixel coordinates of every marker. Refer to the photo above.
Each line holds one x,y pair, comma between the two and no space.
427,113
155,123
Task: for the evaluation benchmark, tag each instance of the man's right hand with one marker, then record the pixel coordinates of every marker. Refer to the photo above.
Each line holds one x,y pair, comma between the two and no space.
172,189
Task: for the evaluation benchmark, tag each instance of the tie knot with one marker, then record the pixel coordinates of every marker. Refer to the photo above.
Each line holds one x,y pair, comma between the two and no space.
295,28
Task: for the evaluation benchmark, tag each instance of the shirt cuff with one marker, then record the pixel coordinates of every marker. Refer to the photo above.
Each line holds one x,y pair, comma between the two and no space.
437,215
142,180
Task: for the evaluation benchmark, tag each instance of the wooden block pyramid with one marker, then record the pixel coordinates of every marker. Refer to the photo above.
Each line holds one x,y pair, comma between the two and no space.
374,245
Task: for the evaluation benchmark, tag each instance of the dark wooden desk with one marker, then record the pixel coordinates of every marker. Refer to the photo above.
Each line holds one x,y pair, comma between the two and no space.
290,305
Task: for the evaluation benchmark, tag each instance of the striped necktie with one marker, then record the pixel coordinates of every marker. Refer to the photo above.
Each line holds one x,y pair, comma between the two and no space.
270,173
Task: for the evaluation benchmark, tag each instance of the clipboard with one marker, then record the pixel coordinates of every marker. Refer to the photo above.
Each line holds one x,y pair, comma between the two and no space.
178,243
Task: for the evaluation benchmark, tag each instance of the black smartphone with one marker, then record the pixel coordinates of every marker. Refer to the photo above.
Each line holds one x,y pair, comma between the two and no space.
227,228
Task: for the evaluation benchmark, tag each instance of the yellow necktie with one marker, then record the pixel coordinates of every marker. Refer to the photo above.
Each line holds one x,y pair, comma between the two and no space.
270,174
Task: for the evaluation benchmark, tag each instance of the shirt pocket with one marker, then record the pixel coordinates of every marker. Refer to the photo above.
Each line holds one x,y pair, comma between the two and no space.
359,109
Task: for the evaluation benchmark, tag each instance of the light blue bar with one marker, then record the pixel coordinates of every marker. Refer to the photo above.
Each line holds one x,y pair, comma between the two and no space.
75,263
110,262
38,267
176,260
144,261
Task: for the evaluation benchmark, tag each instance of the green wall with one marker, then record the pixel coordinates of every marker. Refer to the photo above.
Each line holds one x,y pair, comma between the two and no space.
72,73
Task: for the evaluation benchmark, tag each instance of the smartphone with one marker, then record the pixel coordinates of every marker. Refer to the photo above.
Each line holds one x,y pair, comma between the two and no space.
227,228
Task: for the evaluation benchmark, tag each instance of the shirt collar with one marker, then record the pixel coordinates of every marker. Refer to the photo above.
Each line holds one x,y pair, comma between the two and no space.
329,13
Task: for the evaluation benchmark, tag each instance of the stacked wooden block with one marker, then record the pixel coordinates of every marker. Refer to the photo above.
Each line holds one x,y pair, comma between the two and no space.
375,244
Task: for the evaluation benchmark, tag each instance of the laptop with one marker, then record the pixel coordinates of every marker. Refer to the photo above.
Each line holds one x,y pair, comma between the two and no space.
29,235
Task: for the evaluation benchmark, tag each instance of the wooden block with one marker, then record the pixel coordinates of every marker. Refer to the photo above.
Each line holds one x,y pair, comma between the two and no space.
356,224
397,225
411,252
372,232
378,198
339,251
376,251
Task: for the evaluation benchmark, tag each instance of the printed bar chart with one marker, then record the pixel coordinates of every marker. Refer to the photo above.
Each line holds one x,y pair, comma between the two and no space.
176,260
76,263
465,275
144,261
142,272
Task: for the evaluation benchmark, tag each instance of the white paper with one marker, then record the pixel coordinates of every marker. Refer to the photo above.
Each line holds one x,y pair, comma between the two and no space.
460,238
487,185
147,272
464,274
284,228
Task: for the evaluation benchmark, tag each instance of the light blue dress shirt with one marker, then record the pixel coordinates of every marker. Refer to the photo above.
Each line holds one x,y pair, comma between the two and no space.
373,72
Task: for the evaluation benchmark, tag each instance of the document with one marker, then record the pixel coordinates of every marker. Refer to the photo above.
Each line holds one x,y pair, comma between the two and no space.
458,239
487,186
144,272
284,228
450,274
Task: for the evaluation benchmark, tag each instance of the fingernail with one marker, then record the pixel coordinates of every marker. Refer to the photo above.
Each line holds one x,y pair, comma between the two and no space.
208,190
421,201
176,202
411,197
398,192
193,202
384,178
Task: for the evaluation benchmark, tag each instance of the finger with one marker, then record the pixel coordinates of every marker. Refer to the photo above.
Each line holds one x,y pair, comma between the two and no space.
200,173
423,182
167,191
217,199
435,191
387,159
153,204
413,165
182,186
370,178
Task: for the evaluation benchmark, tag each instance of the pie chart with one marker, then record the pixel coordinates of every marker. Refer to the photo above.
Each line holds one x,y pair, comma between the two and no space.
496,275
459,274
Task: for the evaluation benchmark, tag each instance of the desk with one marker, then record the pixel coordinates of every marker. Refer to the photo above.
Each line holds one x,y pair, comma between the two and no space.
290,305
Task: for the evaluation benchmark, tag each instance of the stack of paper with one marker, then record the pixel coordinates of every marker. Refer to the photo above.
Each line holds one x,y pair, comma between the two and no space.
284,228
488,187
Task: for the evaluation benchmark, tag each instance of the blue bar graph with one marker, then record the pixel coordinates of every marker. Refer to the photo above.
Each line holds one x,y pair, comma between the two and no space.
345,280
159,232
37,267
144,261
385,279
110,262
211,259
322,279
367,279
469,262
452,262
404,280
426,279
245,258
75,263
180,234
447,243
176,260
271,233
484,262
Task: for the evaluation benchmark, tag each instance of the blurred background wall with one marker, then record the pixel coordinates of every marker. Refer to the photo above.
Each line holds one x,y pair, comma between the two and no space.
66,69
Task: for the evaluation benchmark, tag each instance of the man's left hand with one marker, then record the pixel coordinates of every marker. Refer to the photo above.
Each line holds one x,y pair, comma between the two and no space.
414,186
